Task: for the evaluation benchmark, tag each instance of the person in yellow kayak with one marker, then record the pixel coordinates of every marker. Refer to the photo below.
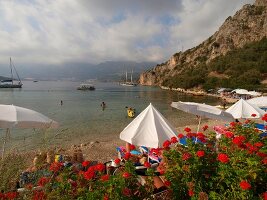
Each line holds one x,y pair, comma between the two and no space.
130,112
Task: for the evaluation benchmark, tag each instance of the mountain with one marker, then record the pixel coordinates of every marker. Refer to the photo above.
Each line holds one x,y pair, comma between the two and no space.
196,66
106,71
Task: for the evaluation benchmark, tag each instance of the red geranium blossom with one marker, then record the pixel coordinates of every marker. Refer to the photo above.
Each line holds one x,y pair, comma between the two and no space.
205,127
186,156
85,163
117,161
12,195
191,193
132,147
127,156
56,166
233,124
147,164
126,175
223,158
126,192
180,136
88,175
245,185
105,197
43,181
200,153
100,167
259,144
174,140
105,177
238,140
39,195
187,129
166,144
253,115
167,183
229,134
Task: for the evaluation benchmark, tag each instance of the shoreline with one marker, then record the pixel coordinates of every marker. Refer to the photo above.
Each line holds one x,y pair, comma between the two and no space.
201,93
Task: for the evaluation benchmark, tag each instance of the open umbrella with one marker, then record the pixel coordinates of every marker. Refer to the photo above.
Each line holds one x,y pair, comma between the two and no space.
17,117
203,110
259,101
245,110
148,129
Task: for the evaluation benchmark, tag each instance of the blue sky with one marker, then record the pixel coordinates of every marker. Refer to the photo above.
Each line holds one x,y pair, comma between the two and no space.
44,32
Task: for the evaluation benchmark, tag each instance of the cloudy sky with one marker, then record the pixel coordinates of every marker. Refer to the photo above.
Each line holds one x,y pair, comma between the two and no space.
44,32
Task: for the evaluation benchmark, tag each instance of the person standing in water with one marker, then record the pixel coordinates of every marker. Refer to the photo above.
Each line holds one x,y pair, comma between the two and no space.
61,102
103,105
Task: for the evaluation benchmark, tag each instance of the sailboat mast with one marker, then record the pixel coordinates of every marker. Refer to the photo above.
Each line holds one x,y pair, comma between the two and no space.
10,65
126,76
132,76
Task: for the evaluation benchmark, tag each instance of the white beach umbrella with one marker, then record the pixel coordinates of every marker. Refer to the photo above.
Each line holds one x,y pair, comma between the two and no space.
240,91
259,101
17,117
203,110
254,93
245,110
148,129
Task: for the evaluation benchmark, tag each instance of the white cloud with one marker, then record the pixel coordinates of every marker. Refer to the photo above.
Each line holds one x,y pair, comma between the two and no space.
54,32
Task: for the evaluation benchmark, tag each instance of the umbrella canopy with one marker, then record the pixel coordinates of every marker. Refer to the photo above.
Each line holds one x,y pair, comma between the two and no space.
240,91
148,129
203,110
259,101
254,93
243,109
15,116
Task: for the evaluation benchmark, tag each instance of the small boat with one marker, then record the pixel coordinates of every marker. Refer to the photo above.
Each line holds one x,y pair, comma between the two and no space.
10,83
35,81
85,86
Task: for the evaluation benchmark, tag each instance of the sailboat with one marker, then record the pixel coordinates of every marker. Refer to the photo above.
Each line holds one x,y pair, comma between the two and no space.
9,83
128,83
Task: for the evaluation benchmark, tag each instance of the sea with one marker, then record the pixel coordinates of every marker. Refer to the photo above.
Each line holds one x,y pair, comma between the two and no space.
81,115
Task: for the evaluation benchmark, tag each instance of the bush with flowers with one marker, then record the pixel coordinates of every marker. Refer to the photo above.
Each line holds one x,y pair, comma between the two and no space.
232,167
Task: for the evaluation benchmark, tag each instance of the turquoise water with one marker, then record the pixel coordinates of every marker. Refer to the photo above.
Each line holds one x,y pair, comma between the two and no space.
81,114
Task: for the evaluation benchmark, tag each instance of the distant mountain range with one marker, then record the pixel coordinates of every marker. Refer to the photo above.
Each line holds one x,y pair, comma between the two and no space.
106,71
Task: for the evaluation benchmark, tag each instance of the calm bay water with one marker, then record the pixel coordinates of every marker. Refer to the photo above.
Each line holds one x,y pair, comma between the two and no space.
81,114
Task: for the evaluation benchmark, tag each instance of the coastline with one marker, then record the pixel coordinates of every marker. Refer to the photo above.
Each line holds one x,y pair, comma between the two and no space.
201,93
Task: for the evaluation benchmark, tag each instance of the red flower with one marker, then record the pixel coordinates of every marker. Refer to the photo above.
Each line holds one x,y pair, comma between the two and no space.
180,136
200,153
132,147
190,193
106,197
105,177
167,183
126,192
174,140
223,158
245,185
100,167
166,144
261,154
264,161
264,195
12,195
147,164
187,129
56,166
117,161
258,144
39,195
127,156
85,163
205,127
233,124
238,140
229,134
88,175
126,175
253,115
43,181
186,156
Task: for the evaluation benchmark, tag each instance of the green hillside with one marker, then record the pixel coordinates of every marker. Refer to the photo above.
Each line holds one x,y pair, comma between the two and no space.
239,68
